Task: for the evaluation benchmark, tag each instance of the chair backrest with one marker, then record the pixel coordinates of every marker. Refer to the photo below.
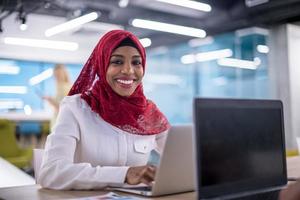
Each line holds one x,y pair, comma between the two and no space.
29,128
37,161
8,141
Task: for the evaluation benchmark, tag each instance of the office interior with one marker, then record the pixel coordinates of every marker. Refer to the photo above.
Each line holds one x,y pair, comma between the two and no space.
244,49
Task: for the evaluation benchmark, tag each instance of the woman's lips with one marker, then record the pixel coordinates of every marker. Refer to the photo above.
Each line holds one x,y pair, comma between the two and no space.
125,83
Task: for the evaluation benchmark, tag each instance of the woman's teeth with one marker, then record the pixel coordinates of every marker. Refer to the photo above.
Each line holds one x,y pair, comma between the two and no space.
128,82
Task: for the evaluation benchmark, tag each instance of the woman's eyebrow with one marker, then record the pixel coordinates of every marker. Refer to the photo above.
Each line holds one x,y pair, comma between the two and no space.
117,55
136,56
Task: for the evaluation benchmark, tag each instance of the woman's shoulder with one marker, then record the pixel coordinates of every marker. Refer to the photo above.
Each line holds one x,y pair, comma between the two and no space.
73,101
72,98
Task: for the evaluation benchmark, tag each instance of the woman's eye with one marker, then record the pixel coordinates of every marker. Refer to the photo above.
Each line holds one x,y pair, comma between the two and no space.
116,62
136,62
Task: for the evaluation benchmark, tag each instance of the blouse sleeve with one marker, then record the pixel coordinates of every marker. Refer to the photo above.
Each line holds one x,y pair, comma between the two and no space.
58,169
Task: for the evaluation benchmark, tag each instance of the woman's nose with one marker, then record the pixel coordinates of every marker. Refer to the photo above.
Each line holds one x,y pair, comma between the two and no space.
127,68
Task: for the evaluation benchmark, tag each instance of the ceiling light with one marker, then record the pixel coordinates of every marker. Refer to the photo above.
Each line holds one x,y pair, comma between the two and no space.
27,110
13,89
23,25
262,48
189,4
196,42
206,56
251,3
50,44
188,59
170,28
213,55
71,24
123,3
244,64
146,42
41,77
9,69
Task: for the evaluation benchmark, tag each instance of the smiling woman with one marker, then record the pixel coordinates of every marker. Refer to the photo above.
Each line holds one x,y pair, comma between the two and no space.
125,71
106,128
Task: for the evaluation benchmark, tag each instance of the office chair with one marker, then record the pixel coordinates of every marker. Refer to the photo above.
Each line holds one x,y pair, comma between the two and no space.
31,130
292,152
9,148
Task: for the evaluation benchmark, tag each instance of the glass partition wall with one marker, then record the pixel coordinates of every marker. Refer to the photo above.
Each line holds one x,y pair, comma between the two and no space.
232,65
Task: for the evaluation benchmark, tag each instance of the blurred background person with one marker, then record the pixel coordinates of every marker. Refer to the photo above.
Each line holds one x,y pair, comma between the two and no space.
63,85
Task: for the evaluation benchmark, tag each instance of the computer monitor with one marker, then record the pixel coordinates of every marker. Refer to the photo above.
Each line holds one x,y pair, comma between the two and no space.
240,146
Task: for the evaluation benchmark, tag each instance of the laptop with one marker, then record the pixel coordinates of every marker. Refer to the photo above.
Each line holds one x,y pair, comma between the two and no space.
240,148
175,172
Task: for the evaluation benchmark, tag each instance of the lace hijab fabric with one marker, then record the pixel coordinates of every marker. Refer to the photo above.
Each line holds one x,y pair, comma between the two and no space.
134,114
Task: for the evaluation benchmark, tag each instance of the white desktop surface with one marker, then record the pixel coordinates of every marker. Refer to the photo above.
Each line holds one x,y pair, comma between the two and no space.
34,116
11,176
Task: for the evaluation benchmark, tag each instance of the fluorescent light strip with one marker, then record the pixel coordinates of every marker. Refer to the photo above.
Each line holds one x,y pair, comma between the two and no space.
146,42
244,64
71,24
41,77
189,4
49,44
13,89
188,59
213,55
170,28
206,56
196,42
123,3
10,69
11,104
262,48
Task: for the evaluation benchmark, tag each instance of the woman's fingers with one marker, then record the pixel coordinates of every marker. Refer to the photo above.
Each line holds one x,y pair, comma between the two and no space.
141,174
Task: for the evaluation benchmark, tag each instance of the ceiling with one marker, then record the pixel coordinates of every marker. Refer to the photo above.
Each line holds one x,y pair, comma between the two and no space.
226,15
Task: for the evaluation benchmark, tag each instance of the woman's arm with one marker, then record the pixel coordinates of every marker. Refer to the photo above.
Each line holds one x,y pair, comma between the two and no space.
58,170
52,102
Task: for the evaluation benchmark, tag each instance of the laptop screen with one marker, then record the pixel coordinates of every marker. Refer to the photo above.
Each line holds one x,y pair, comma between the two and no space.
240,145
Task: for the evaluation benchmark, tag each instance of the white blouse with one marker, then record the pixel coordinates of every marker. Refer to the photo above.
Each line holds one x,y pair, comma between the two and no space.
85,152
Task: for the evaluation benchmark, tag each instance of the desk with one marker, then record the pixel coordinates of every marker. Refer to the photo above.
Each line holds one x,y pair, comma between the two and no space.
35,116
13,176
293,166
35,192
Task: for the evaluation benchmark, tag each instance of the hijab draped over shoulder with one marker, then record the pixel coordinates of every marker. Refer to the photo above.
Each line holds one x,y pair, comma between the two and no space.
134,114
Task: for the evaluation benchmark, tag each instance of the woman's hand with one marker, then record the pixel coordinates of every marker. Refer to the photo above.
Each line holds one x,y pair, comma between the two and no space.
52,102
142,174
292,192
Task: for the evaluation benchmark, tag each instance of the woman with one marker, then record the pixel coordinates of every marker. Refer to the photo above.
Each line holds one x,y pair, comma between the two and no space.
106,127
63,86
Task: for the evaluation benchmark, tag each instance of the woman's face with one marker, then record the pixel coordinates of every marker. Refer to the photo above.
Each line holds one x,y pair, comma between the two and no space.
59,75
125,70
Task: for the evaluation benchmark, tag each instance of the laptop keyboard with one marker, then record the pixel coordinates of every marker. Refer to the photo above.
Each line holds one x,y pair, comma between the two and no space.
143,188
272,195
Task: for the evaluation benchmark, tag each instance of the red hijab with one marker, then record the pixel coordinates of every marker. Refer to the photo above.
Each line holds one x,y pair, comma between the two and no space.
134,114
